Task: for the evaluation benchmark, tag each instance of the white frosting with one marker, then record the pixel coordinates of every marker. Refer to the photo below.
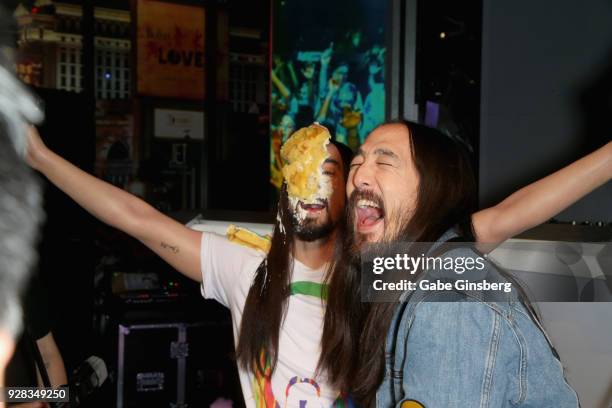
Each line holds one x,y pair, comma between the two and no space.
298,211
281,226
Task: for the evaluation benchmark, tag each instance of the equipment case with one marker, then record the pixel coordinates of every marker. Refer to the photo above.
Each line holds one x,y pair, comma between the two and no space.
175,365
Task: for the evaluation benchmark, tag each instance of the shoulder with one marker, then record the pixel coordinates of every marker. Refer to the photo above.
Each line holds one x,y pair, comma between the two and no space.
227,260
446,312
220,245
227,269
454,315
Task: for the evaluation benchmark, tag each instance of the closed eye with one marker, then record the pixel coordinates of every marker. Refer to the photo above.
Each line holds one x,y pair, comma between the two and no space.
384,164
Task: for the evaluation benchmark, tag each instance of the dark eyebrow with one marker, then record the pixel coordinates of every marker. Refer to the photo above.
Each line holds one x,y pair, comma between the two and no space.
385,152
332,161
380,151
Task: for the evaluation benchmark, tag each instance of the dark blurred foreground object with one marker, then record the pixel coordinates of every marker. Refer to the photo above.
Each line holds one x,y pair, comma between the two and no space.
20,205
85,381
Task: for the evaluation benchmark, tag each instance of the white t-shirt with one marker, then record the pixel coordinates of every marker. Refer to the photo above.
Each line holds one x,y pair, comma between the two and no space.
228,270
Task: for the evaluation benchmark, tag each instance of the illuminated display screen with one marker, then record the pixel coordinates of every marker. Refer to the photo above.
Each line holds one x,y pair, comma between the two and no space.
328,66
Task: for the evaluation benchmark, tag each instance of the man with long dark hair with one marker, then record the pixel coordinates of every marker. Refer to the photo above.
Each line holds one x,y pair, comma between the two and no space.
410,183
276,300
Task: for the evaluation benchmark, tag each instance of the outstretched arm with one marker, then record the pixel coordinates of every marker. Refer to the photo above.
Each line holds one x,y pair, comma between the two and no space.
175,243
541,200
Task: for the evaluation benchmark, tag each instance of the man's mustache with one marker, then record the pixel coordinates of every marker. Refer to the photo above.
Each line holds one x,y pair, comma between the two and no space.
360,194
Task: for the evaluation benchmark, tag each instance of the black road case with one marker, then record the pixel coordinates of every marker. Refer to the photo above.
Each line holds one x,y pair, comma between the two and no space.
175,365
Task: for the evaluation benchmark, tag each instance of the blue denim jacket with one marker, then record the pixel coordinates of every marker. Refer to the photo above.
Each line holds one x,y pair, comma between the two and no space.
457,349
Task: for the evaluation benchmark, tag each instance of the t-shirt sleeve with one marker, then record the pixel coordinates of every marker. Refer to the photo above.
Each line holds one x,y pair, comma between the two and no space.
226,267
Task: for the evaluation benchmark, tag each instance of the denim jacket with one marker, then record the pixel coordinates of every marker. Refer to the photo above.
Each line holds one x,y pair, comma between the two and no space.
456,349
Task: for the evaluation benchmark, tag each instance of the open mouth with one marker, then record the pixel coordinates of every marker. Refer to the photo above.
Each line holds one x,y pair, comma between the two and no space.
313,207
369,213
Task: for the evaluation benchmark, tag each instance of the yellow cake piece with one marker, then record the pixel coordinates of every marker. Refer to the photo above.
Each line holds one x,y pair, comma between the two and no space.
303,155
246,237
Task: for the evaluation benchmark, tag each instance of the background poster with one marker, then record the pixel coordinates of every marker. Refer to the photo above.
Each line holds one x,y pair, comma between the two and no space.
170,50
328,63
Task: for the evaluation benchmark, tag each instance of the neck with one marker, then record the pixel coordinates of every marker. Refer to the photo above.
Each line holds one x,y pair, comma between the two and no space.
314,254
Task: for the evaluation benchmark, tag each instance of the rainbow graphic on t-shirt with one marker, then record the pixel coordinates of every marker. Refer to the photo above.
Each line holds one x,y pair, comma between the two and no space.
263,394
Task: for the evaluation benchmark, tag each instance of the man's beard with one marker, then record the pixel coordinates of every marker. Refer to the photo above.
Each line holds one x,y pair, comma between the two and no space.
309,229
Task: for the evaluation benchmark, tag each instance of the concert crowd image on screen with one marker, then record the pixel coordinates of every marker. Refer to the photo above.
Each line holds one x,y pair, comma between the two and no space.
328,66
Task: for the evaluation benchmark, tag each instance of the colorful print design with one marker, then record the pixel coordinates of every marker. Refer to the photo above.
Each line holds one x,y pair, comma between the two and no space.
264,396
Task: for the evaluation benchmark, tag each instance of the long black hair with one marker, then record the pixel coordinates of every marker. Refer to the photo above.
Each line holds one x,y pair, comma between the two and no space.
354,332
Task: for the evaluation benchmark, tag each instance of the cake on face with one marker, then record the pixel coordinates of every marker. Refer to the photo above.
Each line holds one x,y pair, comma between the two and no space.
303,156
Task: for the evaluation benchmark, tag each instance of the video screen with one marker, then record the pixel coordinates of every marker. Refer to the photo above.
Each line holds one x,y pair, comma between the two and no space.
328,66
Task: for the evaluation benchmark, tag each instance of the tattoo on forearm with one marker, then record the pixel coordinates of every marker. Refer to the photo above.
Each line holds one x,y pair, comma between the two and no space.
174,249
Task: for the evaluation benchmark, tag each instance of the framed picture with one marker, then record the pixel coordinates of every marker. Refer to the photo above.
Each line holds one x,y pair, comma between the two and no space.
328,66
170,50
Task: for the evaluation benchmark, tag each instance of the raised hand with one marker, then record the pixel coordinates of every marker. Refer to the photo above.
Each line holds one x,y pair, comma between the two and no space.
35,147
351,119
327,55
332,86
374,68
